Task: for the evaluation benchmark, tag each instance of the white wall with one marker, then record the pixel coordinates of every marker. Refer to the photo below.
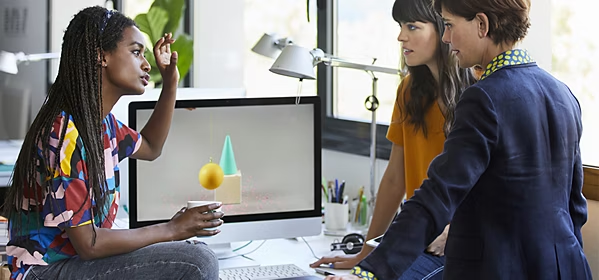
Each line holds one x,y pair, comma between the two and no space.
218,43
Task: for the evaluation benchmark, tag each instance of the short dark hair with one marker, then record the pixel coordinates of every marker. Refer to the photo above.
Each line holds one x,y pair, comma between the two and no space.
508,19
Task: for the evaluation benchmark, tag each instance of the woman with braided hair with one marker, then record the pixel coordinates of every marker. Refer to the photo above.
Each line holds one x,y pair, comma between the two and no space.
64,193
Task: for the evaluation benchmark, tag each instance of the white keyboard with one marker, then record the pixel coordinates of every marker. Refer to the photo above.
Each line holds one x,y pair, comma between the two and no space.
262,272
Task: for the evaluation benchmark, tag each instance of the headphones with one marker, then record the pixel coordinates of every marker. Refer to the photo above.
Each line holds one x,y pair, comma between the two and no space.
350,244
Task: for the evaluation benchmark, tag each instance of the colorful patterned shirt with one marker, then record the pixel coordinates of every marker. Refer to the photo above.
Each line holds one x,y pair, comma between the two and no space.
32,246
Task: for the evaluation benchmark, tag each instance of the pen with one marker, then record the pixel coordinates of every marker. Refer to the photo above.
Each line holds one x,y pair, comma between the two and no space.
323,272
341,188
336,190
332,196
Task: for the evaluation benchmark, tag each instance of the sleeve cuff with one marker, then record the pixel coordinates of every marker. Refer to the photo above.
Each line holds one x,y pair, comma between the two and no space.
358,271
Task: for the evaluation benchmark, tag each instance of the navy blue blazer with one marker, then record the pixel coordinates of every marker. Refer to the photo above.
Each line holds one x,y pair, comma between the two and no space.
510,182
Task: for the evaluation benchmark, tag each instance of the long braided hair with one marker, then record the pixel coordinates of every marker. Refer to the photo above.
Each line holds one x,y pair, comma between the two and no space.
77,93
424,89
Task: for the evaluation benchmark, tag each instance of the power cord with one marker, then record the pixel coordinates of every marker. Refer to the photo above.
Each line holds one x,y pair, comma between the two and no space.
255,249
310,247
244,254
246,244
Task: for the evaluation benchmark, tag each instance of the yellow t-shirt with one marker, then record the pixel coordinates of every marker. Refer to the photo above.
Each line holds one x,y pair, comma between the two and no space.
419,151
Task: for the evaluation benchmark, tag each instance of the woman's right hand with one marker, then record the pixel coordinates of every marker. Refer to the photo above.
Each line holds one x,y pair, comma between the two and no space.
192,222
339,262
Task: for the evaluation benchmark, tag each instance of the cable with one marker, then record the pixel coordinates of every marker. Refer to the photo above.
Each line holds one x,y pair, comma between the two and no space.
310,247
248,258
243,255
246,244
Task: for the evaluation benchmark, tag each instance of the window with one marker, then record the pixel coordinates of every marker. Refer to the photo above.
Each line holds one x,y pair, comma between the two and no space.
132,8
358,32
573,55
286,18
225,31
365,30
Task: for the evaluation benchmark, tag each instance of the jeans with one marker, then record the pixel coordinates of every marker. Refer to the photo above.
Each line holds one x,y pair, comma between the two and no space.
169,260
425,267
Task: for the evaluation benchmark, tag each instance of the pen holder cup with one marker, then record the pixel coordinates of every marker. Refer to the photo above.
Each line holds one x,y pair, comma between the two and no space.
336,216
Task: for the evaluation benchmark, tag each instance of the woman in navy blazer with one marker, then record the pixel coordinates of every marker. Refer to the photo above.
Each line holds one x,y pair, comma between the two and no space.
510,176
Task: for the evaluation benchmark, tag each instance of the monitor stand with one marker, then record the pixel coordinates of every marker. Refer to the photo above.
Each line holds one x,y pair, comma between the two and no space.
229,259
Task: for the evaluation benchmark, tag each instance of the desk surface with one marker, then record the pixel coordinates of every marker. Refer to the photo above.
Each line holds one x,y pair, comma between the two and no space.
282,251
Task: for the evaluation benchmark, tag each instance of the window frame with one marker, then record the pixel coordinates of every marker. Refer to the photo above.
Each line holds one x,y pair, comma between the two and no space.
339,134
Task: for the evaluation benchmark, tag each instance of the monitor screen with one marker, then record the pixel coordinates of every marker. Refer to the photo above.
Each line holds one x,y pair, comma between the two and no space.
268,148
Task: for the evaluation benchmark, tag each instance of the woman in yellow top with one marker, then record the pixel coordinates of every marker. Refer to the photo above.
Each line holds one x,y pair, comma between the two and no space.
422,116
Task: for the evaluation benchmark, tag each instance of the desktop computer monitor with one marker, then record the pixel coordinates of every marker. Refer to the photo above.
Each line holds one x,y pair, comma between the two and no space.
272,184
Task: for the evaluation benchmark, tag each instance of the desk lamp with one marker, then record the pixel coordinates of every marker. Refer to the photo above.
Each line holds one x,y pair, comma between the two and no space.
9,61
298,62
270,45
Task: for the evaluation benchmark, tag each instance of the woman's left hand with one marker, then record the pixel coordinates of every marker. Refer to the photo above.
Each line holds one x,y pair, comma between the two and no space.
437,248
166,61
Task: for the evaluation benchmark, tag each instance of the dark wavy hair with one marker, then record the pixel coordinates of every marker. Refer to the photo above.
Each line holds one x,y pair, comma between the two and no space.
424,89
77,93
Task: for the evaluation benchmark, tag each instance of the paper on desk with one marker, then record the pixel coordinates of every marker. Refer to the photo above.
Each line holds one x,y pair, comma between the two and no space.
9,151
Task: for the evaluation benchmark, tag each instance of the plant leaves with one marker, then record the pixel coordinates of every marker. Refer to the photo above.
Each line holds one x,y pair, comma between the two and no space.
175,9
153,23
184,47
165,16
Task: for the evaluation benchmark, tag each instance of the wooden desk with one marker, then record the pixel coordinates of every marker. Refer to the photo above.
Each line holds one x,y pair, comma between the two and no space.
590,187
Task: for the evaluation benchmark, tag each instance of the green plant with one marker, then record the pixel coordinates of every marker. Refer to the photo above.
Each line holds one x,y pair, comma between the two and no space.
163,17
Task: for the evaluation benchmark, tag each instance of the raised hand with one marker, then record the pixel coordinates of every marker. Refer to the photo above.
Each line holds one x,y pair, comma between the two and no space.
166,61
192,222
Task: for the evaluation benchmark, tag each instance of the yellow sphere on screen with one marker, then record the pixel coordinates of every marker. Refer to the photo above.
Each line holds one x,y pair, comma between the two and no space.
211,176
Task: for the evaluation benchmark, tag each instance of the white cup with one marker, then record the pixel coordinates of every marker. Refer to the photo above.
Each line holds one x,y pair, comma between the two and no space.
336,216
196,203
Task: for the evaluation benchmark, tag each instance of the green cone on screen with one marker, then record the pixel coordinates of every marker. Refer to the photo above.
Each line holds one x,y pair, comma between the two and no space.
227,159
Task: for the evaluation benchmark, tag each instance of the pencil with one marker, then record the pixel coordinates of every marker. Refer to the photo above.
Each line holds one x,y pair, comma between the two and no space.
360,193
324,190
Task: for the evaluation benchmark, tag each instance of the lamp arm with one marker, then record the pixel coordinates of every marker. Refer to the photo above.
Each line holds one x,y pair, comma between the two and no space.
38,56
339,62
283,42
